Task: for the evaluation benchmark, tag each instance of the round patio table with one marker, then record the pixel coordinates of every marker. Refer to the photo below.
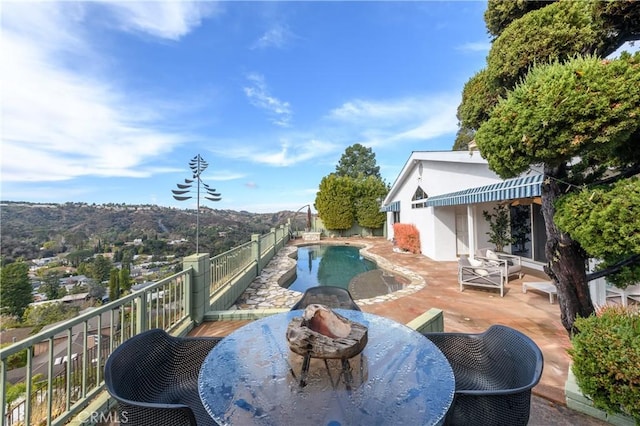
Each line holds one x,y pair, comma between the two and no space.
252,377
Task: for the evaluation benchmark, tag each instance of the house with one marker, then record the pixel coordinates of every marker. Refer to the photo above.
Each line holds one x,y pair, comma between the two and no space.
444,194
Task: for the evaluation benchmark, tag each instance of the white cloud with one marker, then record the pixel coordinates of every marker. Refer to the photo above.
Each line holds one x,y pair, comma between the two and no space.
378,123
163,19
62,120
476,46
278,37
259,96
367,110
225,175
435,125
287,154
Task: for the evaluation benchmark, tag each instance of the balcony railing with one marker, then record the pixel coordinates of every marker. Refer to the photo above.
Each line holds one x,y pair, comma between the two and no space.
64,363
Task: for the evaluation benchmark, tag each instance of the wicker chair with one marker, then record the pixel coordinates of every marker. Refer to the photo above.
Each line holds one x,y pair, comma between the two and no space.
494,373
154,378
330,296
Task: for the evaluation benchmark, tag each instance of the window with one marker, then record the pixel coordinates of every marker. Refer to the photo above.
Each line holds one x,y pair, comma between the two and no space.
419,198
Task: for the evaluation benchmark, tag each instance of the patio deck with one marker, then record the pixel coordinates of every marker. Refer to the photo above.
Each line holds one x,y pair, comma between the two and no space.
473,311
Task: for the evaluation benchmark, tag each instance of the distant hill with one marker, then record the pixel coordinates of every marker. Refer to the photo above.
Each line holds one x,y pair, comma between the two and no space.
33,230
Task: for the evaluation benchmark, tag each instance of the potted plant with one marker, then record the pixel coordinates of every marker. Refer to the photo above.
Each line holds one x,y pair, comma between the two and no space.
500,227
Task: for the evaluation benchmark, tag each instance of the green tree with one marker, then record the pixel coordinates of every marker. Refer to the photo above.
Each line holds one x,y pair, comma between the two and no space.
334,202
124,279
15,291
369,192
127,258
499,226
500,13
101,268
51,284
49,313
78,256
358,161
538,102
606,221
13,392
114,285
77,239
96,290
463,138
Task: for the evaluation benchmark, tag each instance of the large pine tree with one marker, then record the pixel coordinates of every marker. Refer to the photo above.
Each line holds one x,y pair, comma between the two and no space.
15,289
548,97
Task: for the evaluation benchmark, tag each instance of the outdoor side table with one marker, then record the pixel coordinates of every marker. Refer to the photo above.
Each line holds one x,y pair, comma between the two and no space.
543,286
252,377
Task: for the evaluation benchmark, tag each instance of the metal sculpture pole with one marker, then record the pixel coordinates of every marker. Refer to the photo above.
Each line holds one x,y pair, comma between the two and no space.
197,165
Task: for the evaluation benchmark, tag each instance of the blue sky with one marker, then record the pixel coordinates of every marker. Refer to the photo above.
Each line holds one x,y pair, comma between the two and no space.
107,102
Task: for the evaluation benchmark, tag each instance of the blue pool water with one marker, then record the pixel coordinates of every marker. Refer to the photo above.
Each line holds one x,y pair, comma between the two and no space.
328,265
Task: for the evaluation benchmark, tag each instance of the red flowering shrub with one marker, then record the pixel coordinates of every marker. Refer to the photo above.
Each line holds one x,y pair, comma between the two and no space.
407,237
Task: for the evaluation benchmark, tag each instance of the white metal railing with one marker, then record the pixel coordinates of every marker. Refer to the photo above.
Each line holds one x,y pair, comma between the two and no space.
64,364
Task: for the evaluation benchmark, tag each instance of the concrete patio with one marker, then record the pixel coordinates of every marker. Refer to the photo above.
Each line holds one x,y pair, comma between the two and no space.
471,311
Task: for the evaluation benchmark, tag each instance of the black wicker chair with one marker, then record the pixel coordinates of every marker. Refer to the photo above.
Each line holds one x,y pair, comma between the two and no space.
494,373
330,296
154,378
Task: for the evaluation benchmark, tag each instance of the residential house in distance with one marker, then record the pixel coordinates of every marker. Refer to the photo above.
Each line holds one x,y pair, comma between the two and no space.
444,194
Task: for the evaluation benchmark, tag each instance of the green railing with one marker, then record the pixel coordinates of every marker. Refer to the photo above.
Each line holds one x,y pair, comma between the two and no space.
226,266
267,243
64,364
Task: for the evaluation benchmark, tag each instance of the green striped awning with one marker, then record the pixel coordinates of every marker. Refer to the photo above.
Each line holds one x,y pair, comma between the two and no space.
391,207
510,189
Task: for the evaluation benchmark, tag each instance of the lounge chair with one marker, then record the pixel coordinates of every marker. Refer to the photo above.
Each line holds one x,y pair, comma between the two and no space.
154,378
512,264
630,292
330,296
482,274
494,373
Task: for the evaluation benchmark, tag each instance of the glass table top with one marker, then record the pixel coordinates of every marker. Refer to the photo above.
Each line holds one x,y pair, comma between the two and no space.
252,377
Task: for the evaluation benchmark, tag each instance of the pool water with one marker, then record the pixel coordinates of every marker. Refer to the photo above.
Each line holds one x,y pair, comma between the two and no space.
334,265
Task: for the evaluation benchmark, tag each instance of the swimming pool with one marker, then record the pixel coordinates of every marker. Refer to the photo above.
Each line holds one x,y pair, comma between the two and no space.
339,265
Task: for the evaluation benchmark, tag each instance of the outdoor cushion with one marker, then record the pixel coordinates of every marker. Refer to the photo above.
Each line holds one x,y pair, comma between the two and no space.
481,271
512,264
475,262
492,255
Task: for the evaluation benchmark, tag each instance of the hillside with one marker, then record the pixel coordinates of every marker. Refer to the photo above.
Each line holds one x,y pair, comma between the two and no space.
34,230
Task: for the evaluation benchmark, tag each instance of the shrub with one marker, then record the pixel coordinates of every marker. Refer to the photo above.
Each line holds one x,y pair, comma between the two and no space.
606,360
407,237
49,313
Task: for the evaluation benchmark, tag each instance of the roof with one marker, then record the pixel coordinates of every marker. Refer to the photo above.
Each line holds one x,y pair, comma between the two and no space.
416,157
510,189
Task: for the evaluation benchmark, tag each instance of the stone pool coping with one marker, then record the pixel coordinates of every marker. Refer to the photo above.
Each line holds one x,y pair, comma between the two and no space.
265,291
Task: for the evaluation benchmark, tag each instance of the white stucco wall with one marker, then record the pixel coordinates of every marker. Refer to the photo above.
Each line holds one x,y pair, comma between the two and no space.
440,173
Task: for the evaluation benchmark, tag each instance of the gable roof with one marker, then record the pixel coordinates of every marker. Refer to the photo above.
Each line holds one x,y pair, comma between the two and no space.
417,157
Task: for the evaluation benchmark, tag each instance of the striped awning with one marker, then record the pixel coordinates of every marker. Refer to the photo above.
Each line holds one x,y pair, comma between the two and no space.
510,189
391,207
